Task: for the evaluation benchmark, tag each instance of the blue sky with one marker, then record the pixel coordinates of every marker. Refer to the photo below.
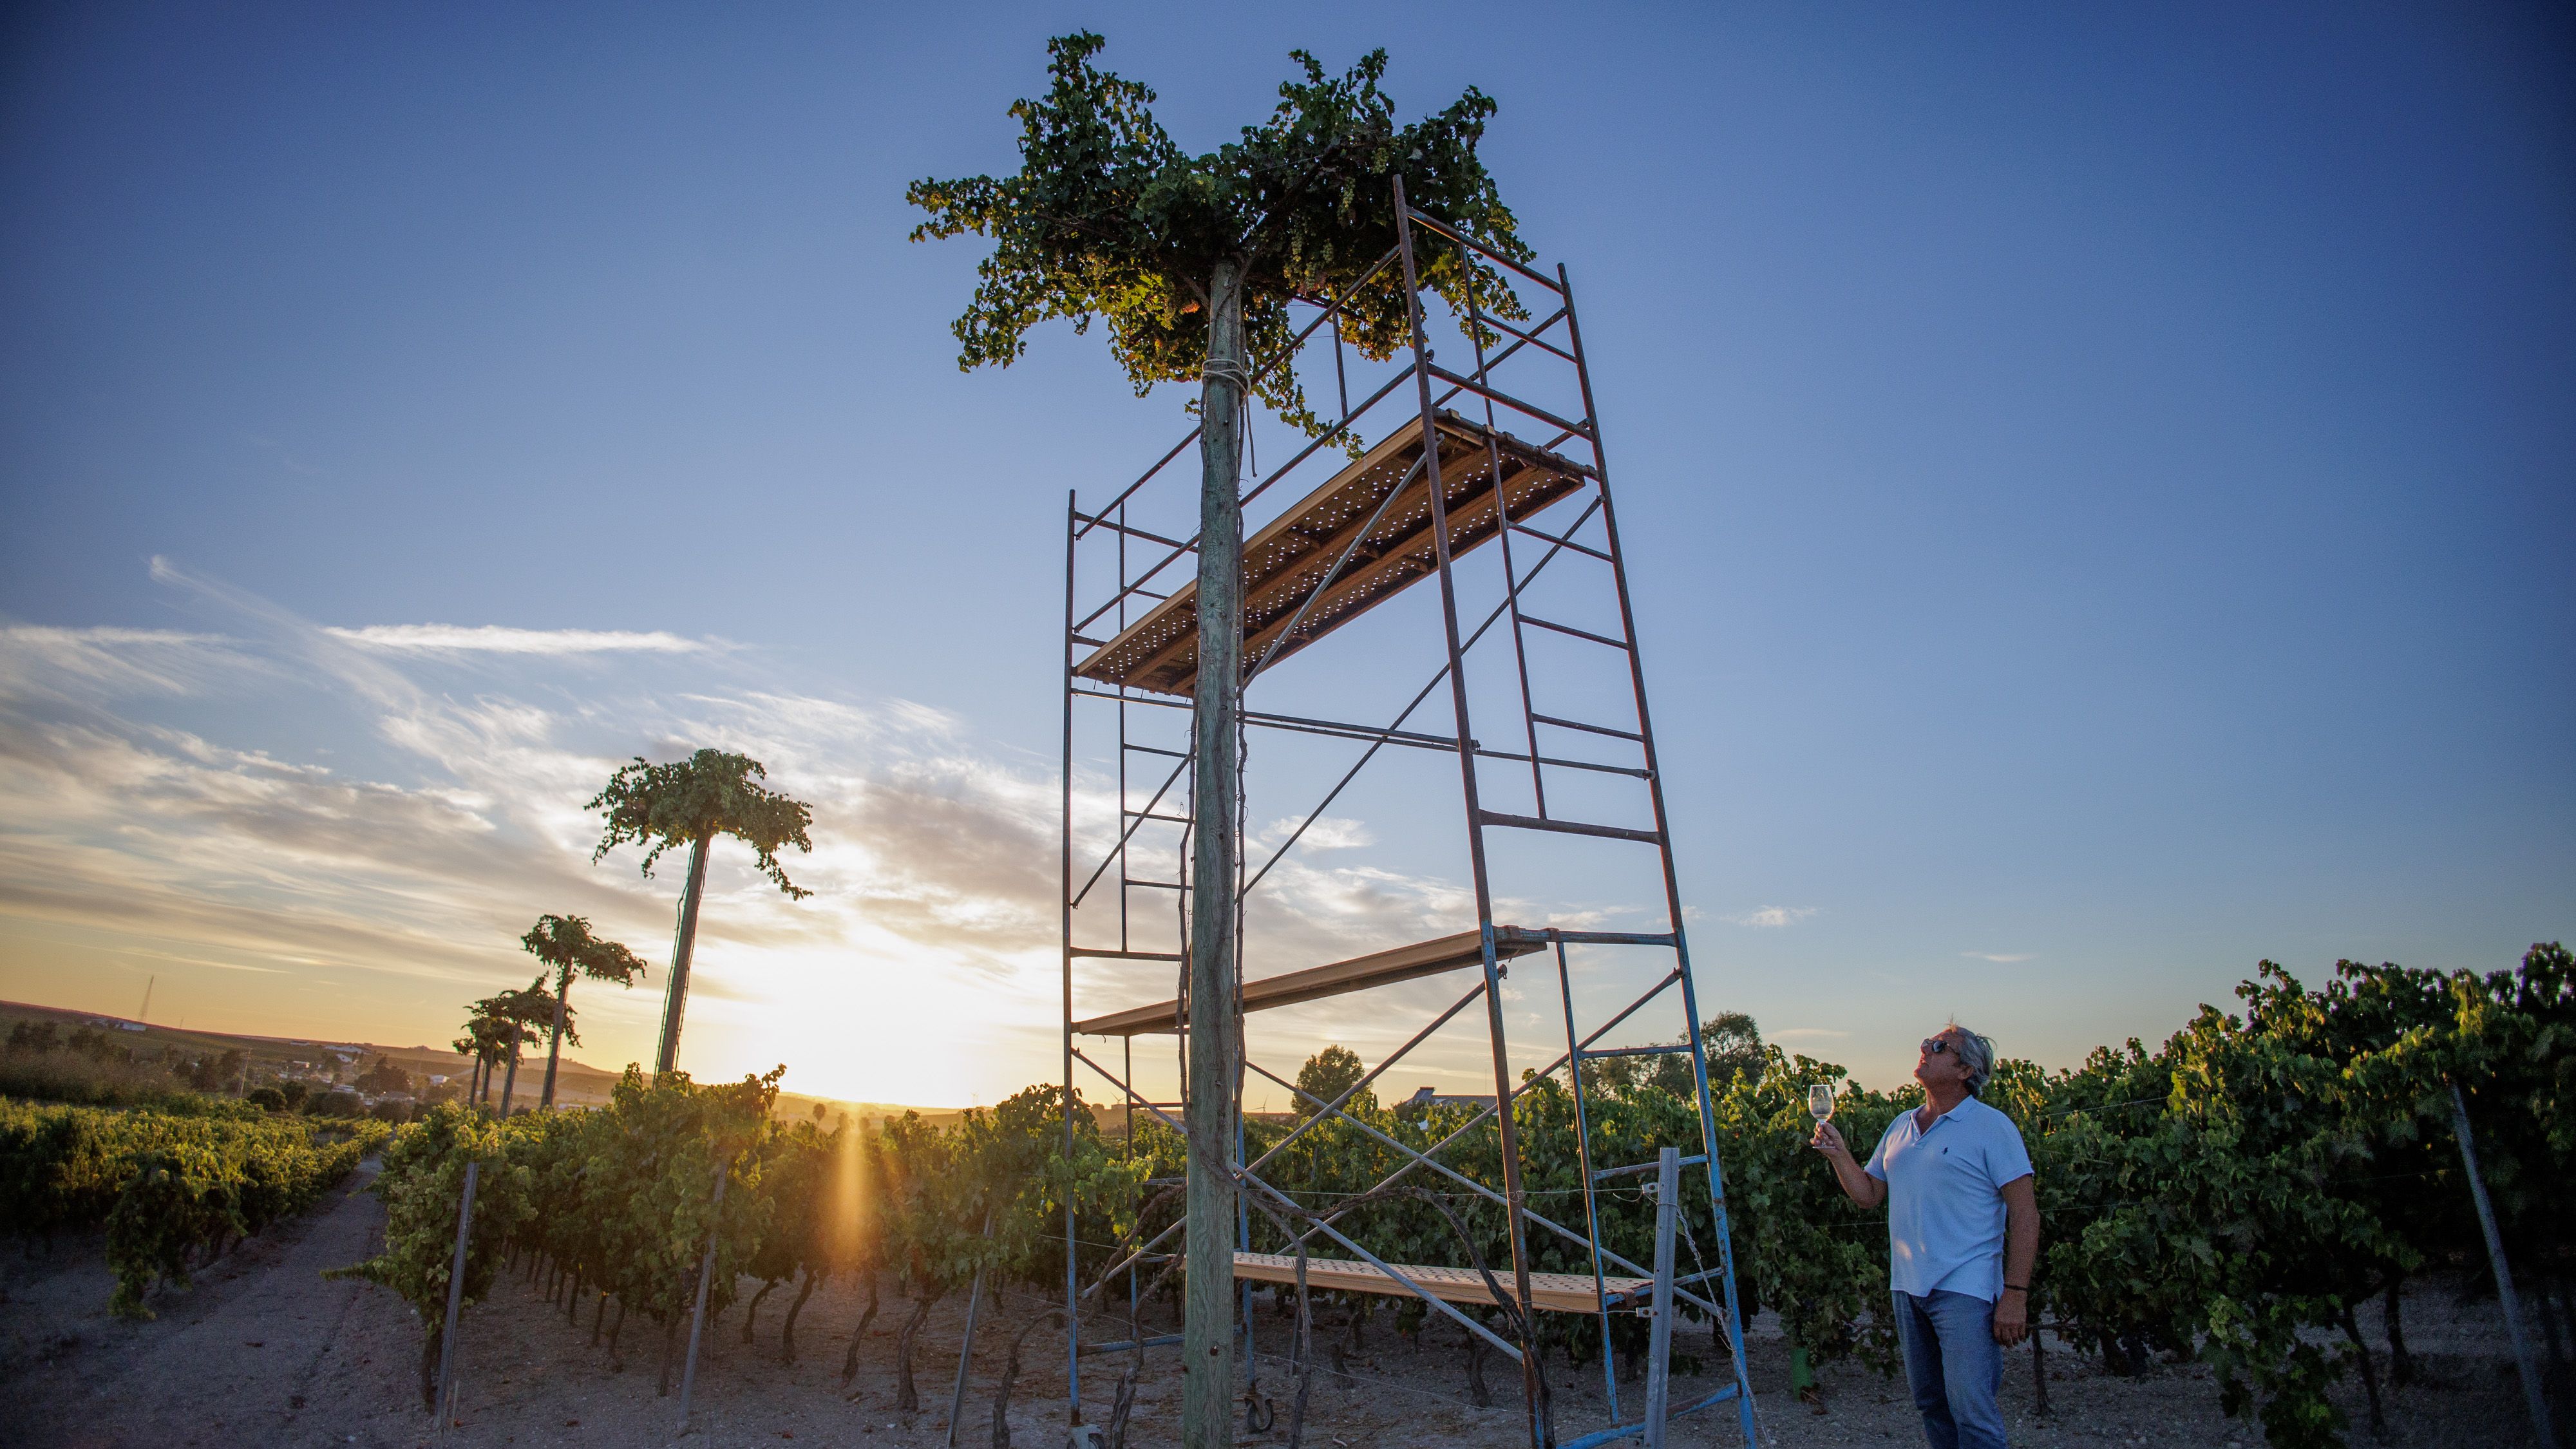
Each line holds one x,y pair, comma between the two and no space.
2095,485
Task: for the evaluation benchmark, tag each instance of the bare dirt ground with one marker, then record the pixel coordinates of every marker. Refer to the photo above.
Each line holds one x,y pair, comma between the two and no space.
265,1351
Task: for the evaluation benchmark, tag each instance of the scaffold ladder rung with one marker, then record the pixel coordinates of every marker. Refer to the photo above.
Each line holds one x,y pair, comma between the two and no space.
1607,1173
1560,542
1589,729
1568,827
1535,622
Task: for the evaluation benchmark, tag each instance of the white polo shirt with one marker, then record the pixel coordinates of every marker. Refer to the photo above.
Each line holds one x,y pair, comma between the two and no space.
1945,1212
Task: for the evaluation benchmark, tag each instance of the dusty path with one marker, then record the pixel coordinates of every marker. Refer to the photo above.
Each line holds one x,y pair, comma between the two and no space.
260,1352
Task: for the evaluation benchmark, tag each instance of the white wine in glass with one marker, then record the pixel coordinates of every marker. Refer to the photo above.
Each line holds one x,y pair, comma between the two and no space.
1820,1102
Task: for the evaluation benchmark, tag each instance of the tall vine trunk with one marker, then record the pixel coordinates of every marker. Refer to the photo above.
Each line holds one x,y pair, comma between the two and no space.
2369,1371
905,1398
2540,1301
1011,1376
510,1079
751,1314
1121,1406
683,945
1207,1331
2401,1363
787,1333
429,1369
850,1360
554,1037
1302,1355
2038,1371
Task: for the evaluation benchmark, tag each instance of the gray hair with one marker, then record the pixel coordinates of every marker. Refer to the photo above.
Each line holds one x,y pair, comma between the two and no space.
1976,1053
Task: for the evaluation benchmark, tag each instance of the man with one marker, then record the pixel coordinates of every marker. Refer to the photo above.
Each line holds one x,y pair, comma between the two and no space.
1962,1236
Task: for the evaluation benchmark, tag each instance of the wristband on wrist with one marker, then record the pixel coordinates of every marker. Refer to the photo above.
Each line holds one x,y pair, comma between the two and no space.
2016,1287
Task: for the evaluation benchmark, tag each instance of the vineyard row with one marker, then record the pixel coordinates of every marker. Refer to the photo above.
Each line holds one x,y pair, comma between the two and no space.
2222,1196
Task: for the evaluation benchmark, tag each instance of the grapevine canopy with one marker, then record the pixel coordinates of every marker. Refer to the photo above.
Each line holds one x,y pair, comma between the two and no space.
529,1007
566,944
1108,218
711,793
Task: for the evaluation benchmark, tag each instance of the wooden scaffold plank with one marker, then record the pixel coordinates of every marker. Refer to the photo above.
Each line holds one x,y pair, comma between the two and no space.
1289,556
1381,968
1554,1292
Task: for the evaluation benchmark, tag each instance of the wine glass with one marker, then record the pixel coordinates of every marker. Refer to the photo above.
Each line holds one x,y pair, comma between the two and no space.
1820,1102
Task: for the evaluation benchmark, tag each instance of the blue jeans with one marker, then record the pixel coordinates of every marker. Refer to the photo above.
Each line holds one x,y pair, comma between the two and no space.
1954,1366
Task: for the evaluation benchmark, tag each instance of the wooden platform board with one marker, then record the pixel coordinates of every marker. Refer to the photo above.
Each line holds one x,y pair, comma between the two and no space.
1555,1292
1284,561
1382,968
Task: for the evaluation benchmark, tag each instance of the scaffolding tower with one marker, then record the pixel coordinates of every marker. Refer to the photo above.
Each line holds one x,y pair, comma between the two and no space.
1505,526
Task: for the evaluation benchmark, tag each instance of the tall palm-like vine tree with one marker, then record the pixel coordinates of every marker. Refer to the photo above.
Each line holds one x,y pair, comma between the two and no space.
508,1016
566,944
691,802
486,1041
1193,260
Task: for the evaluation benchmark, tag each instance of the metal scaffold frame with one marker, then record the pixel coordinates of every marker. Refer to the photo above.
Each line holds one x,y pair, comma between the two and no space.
1439,484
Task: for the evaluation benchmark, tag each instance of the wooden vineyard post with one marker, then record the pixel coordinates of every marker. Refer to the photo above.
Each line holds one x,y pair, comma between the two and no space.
446,1406
2531,1390
698,1314
1215,1048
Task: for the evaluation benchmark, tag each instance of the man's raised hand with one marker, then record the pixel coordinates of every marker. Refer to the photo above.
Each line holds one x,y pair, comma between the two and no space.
1829,1140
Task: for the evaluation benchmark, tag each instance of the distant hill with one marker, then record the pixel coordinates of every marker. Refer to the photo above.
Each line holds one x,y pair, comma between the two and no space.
577,1084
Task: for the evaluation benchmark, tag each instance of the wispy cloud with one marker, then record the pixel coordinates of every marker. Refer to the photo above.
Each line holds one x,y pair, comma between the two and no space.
1804,1033
1332,832
1773,917
133,838
498,639
83,665
179,960
2001,959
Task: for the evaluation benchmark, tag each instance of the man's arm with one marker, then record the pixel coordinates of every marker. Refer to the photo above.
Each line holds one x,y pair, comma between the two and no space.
1856,1182
2021,1255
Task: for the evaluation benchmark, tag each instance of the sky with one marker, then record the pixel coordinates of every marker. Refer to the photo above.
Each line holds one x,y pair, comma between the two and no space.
2095,487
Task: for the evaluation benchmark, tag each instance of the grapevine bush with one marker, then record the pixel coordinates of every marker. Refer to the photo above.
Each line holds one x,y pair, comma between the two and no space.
422,1186
2229,1196
171,1188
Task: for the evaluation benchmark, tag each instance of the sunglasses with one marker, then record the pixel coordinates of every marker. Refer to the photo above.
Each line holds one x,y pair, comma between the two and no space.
1934,1046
